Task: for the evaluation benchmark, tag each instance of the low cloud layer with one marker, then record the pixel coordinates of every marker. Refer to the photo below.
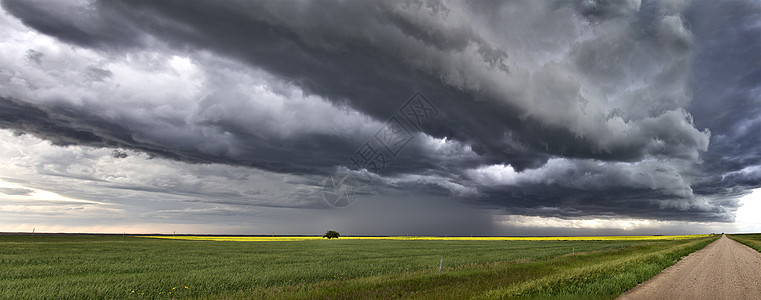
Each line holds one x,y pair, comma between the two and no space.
642,110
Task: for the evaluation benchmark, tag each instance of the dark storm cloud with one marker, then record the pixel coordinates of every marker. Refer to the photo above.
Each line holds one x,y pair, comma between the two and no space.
726,83
315,56
599,91
63,126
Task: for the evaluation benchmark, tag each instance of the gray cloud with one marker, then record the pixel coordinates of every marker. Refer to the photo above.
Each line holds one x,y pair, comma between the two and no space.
16,191
563,109
725,81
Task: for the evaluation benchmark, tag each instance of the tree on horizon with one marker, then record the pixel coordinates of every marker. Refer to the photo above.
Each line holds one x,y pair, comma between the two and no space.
331,234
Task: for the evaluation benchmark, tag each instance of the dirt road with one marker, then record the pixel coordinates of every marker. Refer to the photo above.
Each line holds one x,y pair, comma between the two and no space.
725,269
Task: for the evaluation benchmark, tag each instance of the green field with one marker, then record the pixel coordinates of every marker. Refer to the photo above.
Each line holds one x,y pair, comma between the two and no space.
751,240
108,267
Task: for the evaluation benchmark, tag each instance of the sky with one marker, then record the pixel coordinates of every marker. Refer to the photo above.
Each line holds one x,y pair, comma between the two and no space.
415,117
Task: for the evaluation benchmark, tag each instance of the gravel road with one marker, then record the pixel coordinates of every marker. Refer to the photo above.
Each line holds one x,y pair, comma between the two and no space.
725,269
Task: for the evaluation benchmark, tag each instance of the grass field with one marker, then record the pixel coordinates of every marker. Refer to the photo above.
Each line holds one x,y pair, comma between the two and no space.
116,267
750,240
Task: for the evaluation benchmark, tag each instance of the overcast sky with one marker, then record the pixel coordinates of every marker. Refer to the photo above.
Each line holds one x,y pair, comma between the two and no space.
380,117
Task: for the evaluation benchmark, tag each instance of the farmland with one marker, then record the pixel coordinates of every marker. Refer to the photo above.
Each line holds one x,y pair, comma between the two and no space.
97,267
431,238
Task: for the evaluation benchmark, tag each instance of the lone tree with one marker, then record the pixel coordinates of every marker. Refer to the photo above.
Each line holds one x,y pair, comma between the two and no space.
331,234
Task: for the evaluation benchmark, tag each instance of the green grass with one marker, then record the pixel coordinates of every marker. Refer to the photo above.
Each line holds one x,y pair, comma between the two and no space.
752,240
111,267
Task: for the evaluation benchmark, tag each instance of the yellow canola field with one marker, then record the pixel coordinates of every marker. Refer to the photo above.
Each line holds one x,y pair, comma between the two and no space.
431,238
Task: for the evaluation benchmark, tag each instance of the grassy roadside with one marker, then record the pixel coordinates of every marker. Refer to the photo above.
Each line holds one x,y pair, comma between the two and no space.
752,240
596,275
116,267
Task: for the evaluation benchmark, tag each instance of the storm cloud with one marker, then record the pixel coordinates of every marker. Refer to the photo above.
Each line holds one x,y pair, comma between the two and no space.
595,109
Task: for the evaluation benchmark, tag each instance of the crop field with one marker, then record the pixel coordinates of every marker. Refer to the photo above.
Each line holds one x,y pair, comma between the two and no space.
431,238
131,267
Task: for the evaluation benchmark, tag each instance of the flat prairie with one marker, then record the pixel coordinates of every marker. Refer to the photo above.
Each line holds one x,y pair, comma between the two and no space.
131,267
